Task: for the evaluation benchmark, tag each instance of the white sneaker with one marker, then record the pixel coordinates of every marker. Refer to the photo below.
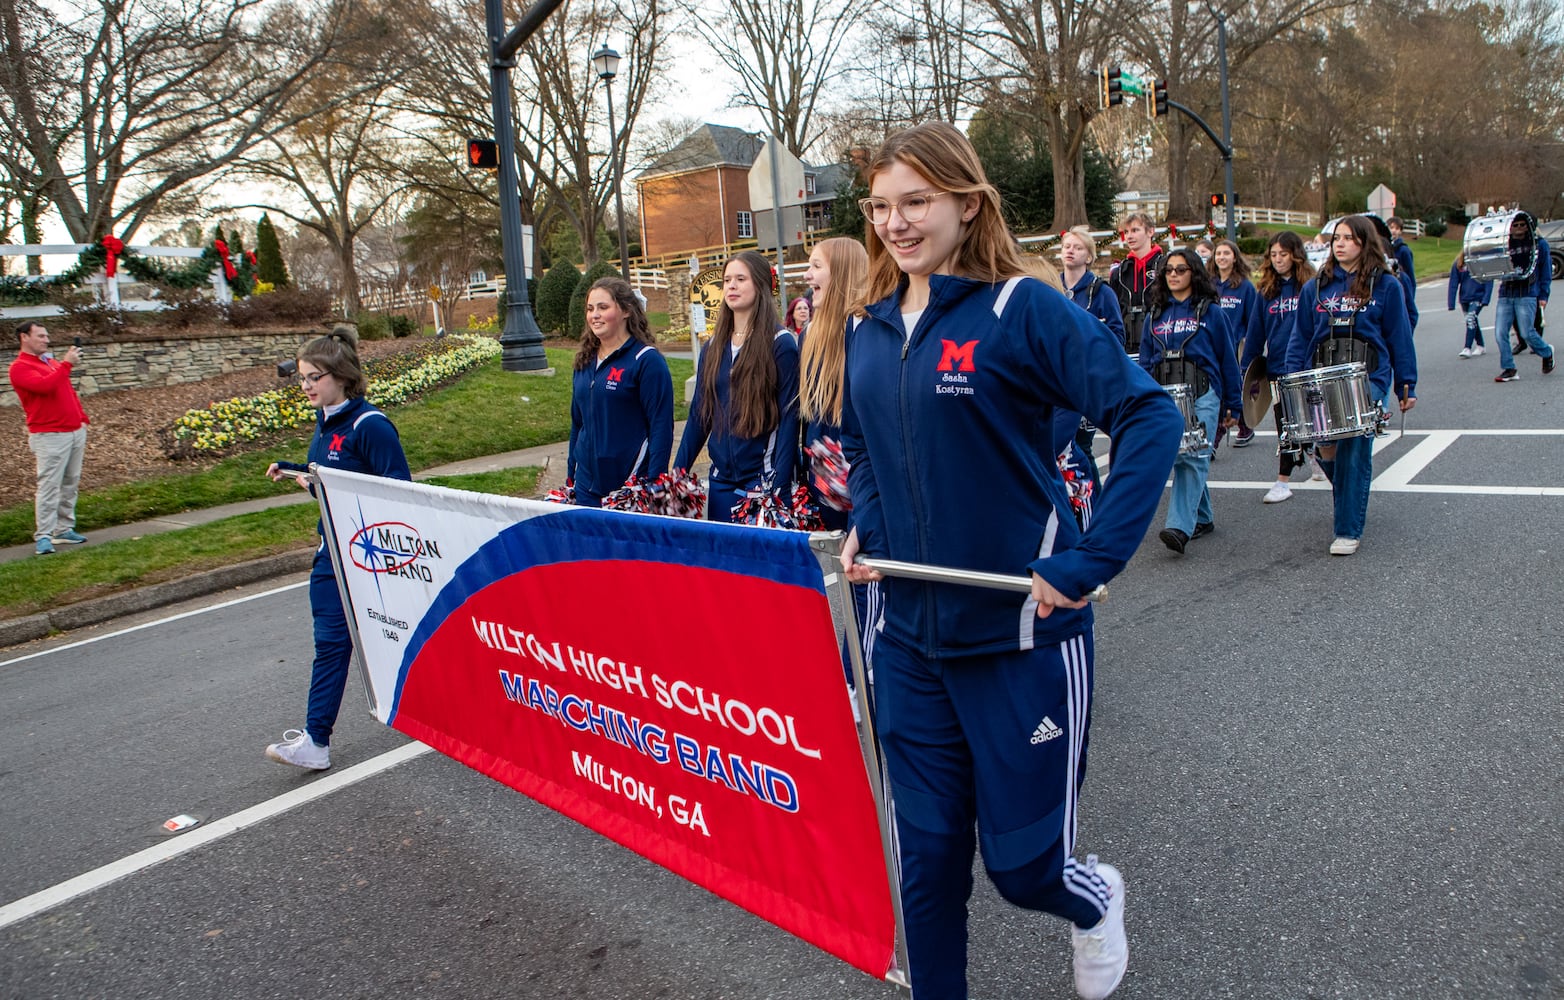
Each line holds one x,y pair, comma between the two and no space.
299,750
1464,352
1279,491
1102,953
1316,474
1479,349
1344,546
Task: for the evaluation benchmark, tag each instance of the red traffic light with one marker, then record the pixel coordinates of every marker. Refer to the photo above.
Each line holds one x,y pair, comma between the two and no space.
1218,200
483,154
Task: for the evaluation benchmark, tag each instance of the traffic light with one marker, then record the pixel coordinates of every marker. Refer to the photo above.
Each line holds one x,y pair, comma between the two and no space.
483,154
1218,200
1112,87
1160,98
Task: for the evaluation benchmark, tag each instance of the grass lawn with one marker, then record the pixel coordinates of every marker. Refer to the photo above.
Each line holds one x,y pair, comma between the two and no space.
486,411
33,585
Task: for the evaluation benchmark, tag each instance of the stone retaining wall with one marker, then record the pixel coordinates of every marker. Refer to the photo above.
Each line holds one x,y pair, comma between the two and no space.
133,361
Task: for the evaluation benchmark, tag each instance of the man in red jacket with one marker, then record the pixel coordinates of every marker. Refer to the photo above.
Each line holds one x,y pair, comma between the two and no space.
56,433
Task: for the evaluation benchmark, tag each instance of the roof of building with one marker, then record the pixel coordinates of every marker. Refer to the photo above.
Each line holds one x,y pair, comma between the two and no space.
708,146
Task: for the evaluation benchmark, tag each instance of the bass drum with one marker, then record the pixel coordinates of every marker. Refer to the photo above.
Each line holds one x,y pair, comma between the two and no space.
1487,247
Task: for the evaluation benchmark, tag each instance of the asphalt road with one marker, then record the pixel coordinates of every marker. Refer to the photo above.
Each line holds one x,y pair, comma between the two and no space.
1322,778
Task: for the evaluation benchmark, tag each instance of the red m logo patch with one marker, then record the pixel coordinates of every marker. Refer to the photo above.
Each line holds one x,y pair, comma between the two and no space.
957,357
336,442
615,374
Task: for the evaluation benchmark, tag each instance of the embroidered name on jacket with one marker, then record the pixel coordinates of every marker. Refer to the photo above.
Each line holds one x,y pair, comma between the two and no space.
1342,303
614,375
954,360
1173,327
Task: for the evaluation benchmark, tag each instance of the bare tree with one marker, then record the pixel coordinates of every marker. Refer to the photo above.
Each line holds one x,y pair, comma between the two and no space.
784,54
561,112
120,103
912,63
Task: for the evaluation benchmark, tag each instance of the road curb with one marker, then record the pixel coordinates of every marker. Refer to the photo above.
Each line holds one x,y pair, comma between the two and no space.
102,609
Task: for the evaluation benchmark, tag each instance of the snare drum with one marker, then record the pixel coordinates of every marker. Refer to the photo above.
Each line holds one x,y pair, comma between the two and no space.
1327,404
1194,431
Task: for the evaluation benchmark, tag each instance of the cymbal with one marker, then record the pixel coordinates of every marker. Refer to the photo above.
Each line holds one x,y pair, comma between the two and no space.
1256,393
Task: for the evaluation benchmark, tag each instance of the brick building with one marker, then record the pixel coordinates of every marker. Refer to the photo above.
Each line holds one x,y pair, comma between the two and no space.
697,194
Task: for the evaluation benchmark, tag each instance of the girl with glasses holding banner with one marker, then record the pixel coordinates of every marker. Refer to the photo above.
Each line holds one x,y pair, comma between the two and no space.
746,393
1187,342
1355,309
982,697
621,401
353,436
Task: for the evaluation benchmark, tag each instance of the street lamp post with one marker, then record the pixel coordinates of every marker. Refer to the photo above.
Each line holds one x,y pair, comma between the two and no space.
606,60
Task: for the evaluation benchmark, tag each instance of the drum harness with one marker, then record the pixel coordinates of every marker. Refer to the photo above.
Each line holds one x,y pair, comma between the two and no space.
1346,345
1174,367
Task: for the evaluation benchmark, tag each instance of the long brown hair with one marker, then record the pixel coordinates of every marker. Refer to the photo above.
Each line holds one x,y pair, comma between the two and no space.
1240,266
825,349
1371,264
752,384
1269,281
635,318
944,157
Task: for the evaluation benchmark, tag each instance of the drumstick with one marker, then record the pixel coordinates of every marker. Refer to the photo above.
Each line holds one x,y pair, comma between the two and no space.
1404,409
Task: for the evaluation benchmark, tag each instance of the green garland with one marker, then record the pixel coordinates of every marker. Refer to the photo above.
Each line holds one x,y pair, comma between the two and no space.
18,291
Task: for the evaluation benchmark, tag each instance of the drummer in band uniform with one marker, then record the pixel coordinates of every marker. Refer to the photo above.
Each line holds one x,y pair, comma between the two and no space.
1355,310
1187,341
1282,277
1131,278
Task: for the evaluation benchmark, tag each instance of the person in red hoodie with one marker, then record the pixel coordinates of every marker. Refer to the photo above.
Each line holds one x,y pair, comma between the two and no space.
56,433
1131,278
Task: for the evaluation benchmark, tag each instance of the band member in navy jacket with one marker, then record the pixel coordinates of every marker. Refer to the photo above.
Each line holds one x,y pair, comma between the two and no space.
1473,295
1282,277
983,697
746,393
1355,310
1187,341
621,402
353,436
1077,251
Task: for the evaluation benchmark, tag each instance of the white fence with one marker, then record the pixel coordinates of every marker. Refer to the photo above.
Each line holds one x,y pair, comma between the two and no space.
107,288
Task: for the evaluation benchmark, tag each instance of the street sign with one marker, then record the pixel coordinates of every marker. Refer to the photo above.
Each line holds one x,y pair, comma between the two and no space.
434,292
1382,202
790,178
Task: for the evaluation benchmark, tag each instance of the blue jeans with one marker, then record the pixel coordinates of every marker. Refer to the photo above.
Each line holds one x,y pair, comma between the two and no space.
1474,329
1191,500
1520,312
1350,473
333,650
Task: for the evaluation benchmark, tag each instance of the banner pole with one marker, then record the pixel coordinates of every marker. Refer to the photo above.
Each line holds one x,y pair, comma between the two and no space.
330,534
829,546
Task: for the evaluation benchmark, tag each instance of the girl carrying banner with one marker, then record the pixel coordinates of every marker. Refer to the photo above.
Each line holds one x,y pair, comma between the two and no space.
982,697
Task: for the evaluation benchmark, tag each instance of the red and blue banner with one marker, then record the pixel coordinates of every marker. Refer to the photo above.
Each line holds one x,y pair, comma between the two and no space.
674,685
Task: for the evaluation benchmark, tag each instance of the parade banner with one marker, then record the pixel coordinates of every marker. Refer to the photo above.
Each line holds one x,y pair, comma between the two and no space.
674,685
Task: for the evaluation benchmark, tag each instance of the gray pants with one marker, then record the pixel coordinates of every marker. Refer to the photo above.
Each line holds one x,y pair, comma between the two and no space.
59,455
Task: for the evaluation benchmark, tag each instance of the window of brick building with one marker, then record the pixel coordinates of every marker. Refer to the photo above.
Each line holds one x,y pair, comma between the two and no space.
746,225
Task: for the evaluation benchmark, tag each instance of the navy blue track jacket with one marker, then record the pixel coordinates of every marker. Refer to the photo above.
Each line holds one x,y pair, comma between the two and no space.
1243,308
358,438
1278,320
1408,276
621,418
1382,322
949,436
748,462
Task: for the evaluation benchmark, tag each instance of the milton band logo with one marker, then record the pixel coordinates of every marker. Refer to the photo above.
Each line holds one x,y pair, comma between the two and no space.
393,548
957,357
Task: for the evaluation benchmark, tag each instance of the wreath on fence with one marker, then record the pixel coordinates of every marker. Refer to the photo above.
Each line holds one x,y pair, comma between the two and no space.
111,253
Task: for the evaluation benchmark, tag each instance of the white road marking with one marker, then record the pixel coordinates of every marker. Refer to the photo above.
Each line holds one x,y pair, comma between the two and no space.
53,896
160,621
1405,469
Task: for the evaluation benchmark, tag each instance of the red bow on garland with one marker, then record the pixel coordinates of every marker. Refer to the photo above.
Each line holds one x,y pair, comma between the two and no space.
229,271
1172,230
115,246
249,255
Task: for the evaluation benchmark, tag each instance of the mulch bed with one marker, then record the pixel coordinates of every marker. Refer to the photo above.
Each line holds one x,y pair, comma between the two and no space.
122,438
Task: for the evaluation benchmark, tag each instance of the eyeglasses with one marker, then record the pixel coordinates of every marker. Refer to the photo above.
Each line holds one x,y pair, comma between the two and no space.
913,208
1176,270
312,378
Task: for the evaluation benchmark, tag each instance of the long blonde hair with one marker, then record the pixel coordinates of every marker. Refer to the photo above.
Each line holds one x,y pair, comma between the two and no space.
945,158
825,346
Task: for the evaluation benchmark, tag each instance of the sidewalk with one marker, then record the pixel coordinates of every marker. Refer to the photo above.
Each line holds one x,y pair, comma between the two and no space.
550,457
